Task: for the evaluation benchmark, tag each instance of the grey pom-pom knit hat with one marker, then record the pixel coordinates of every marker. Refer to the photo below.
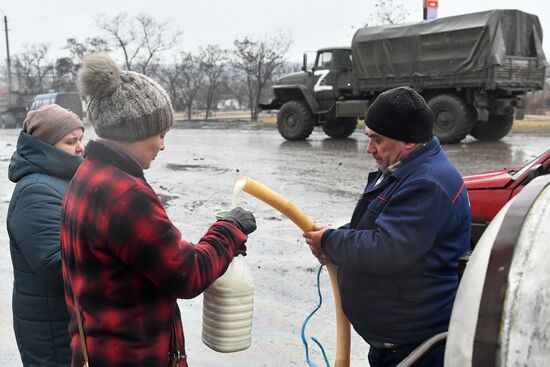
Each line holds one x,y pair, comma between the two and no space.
123,105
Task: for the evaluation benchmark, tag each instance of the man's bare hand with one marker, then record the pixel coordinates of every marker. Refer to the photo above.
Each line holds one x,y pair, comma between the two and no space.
313,239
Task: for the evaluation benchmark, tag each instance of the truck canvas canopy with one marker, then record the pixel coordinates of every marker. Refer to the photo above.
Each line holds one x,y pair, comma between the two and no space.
463,44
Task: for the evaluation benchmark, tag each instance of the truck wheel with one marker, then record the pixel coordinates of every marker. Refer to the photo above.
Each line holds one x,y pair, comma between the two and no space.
495,129
295,121
341,127
453,118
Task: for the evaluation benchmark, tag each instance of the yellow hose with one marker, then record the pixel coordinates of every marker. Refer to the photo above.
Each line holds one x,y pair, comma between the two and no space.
306,224
343,331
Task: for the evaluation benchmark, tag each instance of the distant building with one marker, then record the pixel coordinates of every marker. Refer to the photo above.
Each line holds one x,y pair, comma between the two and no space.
228,104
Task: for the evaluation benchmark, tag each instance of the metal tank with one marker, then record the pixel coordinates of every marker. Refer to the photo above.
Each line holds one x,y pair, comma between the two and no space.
501,315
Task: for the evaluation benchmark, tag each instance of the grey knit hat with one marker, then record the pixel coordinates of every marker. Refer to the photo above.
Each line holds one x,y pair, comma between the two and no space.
123,105
50,123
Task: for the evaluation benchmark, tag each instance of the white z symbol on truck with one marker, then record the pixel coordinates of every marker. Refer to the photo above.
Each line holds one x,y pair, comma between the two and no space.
321,82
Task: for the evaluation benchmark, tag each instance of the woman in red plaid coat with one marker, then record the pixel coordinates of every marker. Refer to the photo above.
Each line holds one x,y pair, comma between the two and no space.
124,262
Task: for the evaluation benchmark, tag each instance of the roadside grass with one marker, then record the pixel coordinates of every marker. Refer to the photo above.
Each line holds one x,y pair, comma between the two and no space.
531,125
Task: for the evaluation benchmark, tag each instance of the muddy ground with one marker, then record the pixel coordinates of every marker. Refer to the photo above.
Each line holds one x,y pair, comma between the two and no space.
195,176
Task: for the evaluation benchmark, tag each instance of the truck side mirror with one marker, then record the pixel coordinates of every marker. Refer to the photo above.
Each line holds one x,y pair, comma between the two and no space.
304,69
304,63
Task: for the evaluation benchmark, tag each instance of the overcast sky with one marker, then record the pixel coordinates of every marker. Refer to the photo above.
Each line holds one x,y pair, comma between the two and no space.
311,24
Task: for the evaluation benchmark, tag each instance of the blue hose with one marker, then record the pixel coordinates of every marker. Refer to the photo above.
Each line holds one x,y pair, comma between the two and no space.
315,340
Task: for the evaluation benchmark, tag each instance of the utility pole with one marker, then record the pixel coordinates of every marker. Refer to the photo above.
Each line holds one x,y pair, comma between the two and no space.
8,60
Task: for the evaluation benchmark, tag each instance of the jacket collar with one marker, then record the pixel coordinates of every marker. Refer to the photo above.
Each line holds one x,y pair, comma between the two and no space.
411,162
431,148
33,155
110,153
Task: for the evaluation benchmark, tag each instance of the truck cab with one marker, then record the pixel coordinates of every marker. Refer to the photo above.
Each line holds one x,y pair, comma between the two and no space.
313,97
332,72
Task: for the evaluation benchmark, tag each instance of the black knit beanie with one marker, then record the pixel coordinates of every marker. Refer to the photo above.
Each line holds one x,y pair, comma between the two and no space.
401,114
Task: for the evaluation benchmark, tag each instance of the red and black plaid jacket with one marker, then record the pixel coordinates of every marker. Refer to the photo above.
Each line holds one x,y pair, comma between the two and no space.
127,263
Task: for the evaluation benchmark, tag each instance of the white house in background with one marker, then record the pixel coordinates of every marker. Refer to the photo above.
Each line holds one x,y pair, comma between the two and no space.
228,104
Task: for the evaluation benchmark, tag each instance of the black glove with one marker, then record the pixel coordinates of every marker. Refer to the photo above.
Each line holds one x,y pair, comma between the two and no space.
245,219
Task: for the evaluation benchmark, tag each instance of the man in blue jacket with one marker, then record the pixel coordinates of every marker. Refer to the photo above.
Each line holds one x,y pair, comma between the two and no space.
398,256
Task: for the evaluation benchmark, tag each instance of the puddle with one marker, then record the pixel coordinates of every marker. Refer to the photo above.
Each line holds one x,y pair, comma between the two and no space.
194,167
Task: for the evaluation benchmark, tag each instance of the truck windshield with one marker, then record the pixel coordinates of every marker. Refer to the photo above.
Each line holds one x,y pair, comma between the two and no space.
324,61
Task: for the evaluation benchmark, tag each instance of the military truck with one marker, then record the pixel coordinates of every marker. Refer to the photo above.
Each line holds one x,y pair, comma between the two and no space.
472,69
12,109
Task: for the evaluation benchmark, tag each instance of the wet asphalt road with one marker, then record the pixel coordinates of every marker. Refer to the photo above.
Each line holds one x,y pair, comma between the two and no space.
195,175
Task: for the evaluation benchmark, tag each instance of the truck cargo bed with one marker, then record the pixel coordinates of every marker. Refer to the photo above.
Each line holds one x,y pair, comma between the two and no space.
497,49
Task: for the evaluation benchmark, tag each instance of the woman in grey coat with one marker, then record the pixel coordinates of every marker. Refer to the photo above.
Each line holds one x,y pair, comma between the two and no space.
49,151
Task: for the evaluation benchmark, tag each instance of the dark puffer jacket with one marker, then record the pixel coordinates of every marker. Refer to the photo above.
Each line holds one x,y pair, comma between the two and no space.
40,319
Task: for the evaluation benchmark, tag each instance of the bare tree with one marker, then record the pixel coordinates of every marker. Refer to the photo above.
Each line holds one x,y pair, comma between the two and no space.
190,80
64,75
77,49
170,77
31,68
257,60
123,34
234,84
387,12
156,39
213,61
66,68
140,39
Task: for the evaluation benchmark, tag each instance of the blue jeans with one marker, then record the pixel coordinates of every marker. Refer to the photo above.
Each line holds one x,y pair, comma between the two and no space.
392,357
